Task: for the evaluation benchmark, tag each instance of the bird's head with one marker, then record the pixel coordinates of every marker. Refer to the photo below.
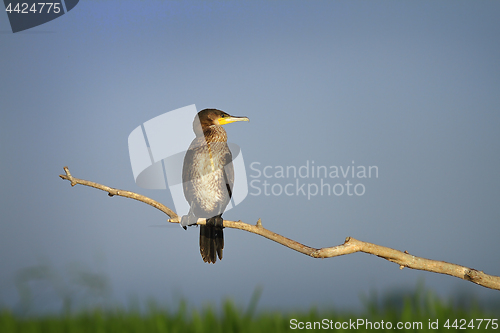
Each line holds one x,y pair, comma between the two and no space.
214,117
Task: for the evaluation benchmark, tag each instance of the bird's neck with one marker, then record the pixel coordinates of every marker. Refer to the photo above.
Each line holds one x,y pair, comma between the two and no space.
215,133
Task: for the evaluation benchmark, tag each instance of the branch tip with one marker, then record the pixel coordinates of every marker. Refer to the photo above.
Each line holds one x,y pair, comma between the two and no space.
259,223
68,176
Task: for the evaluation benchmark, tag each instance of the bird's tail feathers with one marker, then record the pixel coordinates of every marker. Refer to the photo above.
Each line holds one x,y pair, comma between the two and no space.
211,242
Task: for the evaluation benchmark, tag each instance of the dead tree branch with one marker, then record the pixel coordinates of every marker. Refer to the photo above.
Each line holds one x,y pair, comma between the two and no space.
351,245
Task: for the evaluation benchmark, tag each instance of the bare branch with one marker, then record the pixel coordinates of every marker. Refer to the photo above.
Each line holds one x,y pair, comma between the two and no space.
113,191
351,245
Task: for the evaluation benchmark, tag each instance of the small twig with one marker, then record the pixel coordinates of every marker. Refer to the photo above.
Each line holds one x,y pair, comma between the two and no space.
113,191
351,245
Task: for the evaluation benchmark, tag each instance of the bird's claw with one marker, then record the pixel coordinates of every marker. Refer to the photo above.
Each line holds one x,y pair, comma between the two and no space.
188,220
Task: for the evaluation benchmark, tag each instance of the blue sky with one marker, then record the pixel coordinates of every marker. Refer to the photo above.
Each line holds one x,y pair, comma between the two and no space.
409,87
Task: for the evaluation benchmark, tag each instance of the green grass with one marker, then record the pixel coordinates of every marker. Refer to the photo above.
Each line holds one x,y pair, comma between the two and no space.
418,306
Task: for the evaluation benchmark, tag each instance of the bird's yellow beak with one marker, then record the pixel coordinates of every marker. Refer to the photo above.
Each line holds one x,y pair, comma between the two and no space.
231,119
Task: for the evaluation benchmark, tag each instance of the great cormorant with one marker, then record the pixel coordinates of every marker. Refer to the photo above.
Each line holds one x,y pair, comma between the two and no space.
208,177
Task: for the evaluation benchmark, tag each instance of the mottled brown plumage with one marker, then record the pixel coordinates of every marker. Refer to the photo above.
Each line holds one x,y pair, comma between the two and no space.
208,177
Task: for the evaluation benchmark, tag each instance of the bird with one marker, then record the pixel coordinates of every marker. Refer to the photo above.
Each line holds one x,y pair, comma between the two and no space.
208,178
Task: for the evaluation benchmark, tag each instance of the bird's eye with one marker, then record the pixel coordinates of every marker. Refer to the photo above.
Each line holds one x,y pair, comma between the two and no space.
223,115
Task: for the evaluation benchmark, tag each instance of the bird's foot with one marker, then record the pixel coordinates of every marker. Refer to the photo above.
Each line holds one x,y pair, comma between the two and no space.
188,220
216,221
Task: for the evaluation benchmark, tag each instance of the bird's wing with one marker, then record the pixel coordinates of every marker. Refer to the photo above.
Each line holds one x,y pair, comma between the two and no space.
229,172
